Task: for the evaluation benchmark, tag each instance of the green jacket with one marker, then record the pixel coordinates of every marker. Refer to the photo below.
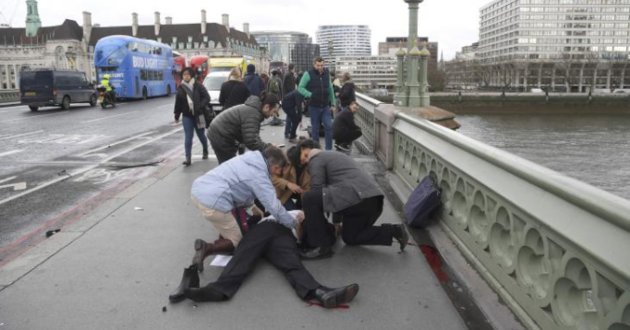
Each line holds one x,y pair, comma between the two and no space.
304,82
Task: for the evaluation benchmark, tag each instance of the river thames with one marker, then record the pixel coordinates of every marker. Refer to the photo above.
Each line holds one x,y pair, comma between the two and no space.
591,148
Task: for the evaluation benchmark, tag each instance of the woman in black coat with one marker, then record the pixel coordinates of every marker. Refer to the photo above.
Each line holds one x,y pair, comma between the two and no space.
234,91
191,102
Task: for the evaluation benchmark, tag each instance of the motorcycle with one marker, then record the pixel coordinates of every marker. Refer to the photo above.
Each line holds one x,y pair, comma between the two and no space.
105,98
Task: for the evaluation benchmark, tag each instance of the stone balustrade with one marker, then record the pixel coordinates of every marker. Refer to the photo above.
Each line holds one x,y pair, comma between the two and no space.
555,249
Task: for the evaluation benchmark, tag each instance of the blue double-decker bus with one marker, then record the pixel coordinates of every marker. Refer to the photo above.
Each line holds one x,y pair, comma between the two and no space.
138,68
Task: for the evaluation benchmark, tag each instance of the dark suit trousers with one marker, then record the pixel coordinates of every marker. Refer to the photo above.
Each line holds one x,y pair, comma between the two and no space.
358,223
275,243
317,230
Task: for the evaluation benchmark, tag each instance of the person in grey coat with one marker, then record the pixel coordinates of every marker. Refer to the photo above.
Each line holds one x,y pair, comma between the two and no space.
241,125
341,187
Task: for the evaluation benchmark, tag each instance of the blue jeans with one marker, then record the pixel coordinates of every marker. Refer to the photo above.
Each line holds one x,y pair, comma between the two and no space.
321,115
189,129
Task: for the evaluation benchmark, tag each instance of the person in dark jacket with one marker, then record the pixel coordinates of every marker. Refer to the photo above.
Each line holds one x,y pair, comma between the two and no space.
234,91
290,104
345,130
347,91
254,83
241,125
288,81
190,102
316,86
341,187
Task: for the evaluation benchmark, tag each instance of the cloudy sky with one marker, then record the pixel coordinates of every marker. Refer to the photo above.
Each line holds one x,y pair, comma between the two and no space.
452,23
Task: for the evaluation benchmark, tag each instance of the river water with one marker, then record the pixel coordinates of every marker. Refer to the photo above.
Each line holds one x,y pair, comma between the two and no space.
591,148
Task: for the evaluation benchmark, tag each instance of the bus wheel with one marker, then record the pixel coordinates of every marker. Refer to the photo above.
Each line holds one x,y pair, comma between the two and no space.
144,93
168,90
33,107
65,104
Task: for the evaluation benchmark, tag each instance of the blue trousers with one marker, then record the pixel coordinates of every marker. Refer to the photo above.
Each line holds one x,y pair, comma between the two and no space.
189,129
321,115
292,122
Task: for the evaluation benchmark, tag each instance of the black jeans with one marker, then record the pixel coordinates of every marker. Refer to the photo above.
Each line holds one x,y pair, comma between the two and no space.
275,243
358,222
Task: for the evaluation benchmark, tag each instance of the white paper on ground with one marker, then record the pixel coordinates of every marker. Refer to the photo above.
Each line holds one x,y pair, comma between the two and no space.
220,260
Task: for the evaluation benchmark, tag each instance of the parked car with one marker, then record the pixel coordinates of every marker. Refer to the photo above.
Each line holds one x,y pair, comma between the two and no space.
47,87
213,83
621,91
537,90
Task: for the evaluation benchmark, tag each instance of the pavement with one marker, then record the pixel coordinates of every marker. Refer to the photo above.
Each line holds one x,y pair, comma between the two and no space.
115,267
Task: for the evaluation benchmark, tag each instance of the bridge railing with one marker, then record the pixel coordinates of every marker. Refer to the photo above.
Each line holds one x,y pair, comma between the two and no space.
7,96
555,249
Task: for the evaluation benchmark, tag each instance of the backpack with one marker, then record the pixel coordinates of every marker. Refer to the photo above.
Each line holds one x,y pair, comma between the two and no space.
422,203
274,86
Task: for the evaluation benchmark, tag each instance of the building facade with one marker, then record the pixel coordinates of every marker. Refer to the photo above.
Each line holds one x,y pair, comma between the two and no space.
71,46
393,44
288,47
559,45
343,40
370,72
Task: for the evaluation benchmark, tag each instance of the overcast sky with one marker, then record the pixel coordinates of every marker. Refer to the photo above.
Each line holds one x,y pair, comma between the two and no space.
452,23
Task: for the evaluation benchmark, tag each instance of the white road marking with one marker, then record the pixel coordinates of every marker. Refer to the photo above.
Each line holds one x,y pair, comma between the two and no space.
11,152
87,168
8,179
108,117
8,137
16,186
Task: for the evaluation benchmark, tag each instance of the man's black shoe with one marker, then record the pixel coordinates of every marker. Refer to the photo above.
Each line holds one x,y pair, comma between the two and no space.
333,297
190,279
207,293
401,236
320,252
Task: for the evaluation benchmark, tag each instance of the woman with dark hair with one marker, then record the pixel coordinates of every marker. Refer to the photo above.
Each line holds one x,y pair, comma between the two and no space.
191,103
293,182
241,125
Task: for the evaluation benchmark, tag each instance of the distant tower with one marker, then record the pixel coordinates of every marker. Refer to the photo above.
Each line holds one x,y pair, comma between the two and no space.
32,18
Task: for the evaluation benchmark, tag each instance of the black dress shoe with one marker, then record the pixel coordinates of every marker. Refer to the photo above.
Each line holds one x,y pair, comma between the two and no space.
207,293
333,297
320,252
190,279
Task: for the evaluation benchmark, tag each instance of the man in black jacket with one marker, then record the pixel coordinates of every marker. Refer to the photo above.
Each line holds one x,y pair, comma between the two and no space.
241,125
345,130
341,187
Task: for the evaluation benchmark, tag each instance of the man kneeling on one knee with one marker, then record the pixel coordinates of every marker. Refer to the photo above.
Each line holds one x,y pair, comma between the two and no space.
341,187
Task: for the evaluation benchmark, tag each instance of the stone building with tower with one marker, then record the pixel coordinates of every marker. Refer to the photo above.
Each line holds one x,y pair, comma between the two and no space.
71,46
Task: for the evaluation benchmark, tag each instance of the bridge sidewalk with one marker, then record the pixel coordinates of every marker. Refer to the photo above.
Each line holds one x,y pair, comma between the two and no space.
115,268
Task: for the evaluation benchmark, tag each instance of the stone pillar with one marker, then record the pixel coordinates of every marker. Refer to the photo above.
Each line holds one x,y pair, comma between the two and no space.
7,77
400,98
424,84
413,87
226,21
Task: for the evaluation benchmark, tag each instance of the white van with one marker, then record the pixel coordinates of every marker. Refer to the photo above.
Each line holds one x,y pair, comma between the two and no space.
537,90
212,83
